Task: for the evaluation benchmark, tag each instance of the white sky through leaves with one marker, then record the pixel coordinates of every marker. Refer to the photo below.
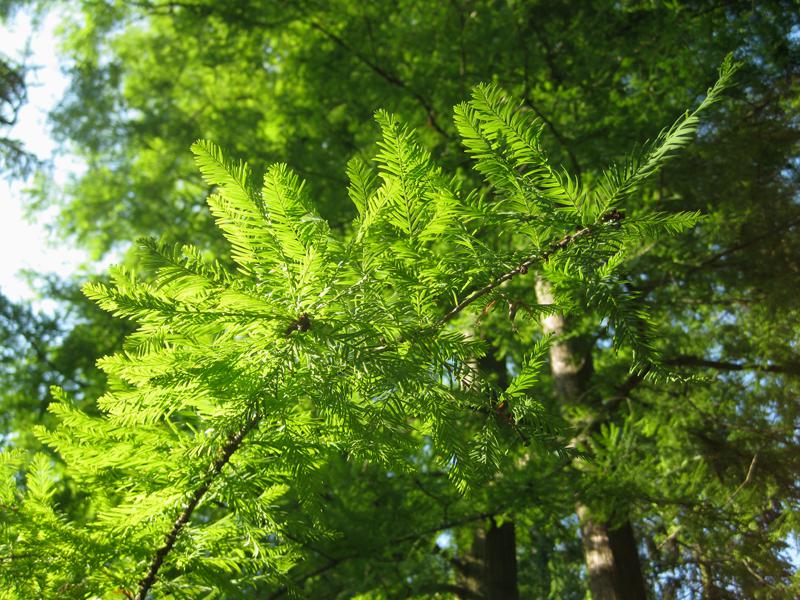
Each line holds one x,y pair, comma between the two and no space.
25,243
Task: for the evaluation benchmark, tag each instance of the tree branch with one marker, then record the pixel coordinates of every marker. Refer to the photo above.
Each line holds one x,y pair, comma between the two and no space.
334,562
385,74
448,588
721,365
711,260
748,478
224,456
744,244
524,266
576,166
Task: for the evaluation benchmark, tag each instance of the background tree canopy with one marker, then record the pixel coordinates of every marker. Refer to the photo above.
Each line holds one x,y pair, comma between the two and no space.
14,159
663,457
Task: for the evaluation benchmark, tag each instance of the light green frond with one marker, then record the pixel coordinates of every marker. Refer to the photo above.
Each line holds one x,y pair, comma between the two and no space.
40,480
519,392
403,161
363,184
657,224
491,163
296,224
516,134
238,212
11,461
620,181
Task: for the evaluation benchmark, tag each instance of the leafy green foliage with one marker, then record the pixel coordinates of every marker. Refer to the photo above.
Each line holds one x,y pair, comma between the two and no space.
504,140
296,82
239,387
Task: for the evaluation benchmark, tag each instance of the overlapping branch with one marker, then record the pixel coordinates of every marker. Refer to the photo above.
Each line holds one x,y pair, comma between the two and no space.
223,457
235,440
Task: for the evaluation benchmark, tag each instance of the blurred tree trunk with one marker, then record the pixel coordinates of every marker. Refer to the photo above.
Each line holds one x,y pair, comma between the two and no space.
612,559
501,562
490,568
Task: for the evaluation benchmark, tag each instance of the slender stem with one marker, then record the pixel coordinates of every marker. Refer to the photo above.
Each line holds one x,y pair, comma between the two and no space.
386,75
748,478
334,562
520,269
224,456
721,365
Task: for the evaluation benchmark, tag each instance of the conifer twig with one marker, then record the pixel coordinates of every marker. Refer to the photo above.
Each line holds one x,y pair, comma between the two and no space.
725,505
700,362
224,456
524,266
334,562
386,75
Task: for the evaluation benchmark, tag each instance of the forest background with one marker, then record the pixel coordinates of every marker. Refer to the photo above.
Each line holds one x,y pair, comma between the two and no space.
692,483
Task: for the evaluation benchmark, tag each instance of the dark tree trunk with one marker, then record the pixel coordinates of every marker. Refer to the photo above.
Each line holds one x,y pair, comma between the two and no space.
628,567
711,591
490,568
501,562
612,559
471,566
541,551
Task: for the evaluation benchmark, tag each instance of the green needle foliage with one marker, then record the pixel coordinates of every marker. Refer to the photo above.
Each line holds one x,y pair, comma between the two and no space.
239,387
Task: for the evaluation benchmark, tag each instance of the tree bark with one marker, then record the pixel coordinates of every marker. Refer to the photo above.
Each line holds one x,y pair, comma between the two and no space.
628,566
542,546
611,556
598,556
470,566
490,568
501,562
500,548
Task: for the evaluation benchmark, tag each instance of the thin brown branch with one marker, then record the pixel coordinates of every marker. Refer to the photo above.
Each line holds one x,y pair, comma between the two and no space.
576,165
520,269
745,244
231,445
445,588
385,74
331,564
748,478
335,562
230,13
716,260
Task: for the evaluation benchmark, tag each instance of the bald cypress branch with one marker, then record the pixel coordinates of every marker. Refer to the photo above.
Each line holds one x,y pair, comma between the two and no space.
223,457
